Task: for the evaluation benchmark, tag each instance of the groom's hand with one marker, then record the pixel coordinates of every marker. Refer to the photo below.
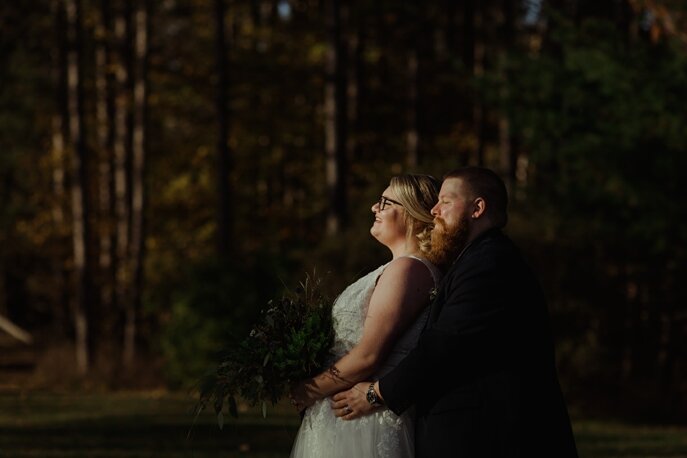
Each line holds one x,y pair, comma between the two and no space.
351,404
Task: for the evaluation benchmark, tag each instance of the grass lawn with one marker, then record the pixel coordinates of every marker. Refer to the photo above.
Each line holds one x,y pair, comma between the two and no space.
135,425
156,425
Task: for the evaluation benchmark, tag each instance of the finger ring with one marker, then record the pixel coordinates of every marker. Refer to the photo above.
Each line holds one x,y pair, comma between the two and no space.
293,401
348,409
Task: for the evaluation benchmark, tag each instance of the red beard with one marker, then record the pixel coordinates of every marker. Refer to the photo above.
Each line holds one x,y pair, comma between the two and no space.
448,242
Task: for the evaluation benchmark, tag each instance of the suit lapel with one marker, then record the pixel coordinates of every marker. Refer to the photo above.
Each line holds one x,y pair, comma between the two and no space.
440,299
437,303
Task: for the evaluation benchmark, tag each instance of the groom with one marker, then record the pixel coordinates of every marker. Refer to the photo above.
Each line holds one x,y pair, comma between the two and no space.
482,378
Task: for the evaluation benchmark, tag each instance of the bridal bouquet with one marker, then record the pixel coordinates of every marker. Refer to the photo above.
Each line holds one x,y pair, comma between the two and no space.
290,342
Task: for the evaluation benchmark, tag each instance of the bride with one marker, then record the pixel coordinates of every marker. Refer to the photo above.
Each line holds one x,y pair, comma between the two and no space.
377,321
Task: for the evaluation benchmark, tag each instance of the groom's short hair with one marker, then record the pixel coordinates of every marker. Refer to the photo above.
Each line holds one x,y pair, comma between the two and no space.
485,183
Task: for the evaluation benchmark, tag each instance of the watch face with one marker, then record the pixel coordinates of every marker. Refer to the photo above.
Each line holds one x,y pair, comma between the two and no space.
371,396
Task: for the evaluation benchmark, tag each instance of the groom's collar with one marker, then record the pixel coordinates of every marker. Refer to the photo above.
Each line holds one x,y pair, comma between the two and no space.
487,233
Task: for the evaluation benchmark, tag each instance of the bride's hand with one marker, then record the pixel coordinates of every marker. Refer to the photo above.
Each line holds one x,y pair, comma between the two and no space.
351,404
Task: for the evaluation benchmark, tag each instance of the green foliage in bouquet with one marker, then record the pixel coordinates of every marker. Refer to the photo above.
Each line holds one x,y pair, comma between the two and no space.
290,342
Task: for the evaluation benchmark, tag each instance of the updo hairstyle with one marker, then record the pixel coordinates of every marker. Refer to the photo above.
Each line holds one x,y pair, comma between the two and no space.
418,194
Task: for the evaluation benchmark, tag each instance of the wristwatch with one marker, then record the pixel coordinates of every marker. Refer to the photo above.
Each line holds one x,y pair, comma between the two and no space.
372,397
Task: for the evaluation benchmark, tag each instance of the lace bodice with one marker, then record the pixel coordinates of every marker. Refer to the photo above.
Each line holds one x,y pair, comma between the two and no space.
349,312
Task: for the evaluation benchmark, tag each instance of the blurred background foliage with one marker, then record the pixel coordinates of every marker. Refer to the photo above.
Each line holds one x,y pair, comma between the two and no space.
168,166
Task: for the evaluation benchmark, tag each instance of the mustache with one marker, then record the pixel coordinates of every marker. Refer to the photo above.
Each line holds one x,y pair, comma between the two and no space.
439,222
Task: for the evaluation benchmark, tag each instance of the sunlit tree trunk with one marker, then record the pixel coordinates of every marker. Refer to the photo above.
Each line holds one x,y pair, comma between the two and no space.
138,194
79,185
335,118
60,134
60,115
224,160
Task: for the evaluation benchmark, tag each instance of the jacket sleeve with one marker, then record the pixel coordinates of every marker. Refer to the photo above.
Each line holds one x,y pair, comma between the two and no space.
468,339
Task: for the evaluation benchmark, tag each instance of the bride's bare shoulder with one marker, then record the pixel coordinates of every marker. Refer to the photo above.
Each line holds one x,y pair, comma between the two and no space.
405,269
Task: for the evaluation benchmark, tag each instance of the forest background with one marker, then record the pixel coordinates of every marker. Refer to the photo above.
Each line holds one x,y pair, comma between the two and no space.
168,166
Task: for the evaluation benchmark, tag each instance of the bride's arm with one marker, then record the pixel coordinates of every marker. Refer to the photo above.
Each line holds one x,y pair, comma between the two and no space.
401,293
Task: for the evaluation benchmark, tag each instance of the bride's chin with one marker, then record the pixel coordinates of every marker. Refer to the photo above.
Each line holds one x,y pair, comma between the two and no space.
376,234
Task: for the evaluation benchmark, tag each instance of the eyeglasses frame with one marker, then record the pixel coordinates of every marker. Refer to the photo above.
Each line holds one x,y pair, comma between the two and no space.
383,202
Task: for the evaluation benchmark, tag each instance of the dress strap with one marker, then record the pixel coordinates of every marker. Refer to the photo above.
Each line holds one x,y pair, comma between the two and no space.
436,273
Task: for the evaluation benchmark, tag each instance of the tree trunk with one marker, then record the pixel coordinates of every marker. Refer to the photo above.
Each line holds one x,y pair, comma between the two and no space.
60,116
627,21
479,114
105,135
469,36
412,132
138,195
450,8
60,134
79,185
121,155
224,162
423,45
15,331
335,119
262,13
672,336
507,152
355,90
473,59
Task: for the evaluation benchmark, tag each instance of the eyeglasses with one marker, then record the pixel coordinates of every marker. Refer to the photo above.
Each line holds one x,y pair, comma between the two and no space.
384,201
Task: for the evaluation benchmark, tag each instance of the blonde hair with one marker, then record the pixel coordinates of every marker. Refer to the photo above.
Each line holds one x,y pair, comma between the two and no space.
418,194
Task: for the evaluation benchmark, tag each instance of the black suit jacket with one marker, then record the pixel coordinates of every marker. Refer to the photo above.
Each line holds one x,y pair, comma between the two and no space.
483,377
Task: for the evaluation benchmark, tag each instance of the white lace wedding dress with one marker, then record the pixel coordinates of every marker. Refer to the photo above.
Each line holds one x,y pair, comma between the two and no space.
382,433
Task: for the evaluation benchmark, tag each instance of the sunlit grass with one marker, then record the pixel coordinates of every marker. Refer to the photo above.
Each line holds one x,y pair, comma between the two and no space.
144,425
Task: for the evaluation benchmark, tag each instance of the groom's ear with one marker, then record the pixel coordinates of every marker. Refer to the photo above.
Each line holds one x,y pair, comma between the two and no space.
479,207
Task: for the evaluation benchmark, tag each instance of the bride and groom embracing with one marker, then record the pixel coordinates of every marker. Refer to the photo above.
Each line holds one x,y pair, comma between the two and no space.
468,373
